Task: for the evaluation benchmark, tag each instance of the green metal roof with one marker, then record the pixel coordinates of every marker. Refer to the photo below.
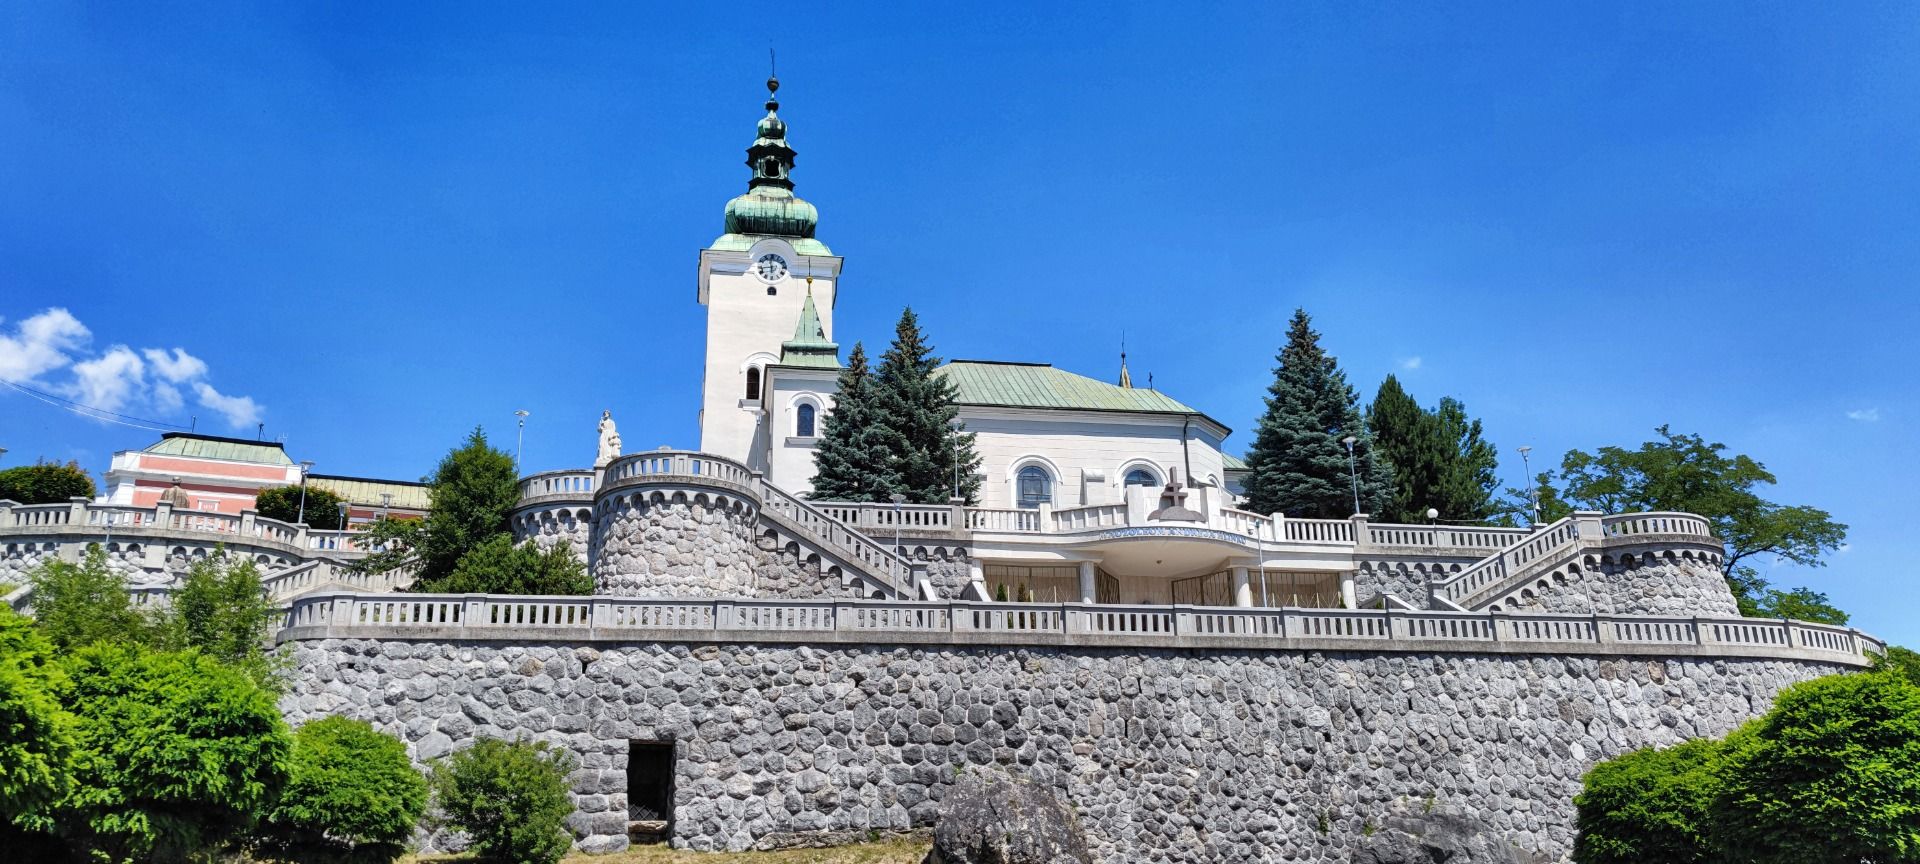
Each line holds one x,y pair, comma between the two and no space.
1038,385
809,345
1234,463
214,447
366,492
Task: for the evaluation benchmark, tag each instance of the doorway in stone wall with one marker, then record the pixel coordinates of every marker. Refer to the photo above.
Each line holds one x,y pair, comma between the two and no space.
649,790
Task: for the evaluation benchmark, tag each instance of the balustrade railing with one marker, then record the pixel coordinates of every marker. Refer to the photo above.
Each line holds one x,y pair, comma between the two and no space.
1443,537
536,618
1003,521
1090,518
1317,530
573,482
1554,545
837,536
911,518
669,464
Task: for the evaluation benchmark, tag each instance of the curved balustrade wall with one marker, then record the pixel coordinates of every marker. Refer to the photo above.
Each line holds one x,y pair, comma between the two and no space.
1687,582
654,542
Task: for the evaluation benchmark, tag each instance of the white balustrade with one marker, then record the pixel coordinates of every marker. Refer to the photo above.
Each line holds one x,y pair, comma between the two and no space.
1629,524
575,482
1249,524
1090,518
358,614
1317,530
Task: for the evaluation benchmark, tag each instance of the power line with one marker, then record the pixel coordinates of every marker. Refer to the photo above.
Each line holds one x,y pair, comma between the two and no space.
92,413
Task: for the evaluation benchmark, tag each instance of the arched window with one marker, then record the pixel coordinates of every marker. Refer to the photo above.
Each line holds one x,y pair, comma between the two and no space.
803,420
1142,477
753,383
1033,487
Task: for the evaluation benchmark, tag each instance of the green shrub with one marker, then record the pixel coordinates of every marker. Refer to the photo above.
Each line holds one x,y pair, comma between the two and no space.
499,567
222,610
282,503
36,734
1904,662
80,604
45,483
1832,773
1647,806
178,754
351,796
510,797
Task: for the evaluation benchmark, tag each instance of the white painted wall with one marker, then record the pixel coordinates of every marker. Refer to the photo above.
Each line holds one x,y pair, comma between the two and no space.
745,326
1086,452
789,460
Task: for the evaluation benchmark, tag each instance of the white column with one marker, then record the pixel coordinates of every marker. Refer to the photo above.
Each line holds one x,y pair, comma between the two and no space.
1242,589
1089,593
1348,597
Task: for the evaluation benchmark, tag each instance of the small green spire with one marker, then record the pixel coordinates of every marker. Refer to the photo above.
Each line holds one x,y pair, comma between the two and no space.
769,207
809,345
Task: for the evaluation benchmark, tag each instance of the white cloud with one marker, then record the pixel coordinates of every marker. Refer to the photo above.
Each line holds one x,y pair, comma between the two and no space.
240,411
1410,363
110,381
177,367
40,348
1864,415
40,345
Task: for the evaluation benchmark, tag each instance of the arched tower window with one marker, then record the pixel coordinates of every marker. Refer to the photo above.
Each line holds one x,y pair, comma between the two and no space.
753,383
1033,487
803,420
1142,477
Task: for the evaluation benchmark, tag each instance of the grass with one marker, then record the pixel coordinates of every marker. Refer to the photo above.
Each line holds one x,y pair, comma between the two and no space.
895,851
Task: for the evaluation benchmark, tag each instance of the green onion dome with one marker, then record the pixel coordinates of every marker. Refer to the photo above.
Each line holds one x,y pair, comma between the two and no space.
770,207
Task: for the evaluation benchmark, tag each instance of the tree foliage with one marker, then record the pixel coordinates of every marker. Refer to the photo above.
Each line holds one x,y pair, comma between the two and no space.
81,604
1298,464
45,483
352,796
36,733
177,754
222,610
283,503
497,566
919,421
854,460
472,489
1647,806
1686,473
1439,460
510,797
1827,775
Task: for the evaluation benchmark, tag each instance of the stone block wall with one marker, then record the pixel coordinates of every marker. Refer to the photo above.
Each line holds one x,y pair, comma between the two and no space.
788,571
661,544
1668,583
572,525
1167,754
1405,578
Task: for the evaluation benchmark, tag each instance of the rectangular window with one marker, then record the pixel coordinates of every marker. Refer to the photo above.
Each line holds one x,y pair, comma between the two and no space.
649,790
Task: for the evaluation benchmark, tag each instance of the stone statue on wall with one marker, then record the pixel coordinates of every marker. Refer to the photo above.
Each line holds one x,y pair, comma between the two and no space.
609,441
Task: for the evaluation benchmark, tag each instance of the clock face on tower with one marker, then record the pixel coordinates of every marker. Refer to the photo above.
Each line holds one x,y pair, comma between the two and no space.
770,268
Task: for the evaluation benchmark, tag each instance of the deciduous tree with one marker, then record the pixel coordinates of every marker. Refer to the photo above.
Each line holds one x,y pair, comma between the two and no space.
45,483
81,604
283,503
472,490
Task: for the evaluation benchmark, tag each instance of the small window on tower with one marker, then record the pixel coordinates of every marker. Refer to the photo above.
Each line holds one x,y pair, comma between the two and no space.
803,424
753,383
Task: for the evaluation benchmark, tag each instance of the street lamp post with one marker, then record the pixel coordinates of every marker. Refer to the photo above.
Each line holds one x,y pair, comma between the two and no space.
897,500
304,468
519,439
342,507
1533,489
1353,471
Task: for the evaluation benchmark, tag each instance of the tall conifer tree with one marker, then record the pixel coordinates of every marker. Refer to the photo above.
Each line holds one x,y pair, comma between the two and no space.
1472,480
1298,465
917,407
1408,438
854,461
1438,458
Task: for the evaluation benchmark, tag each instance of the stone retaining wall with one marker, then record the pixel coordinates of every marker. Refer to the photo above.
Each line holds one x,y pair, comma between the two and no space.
1682,584
1168,755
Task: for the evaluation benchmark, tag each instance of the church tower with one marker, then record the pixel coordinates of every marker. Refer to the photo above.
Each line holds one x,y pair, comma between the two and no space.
756,280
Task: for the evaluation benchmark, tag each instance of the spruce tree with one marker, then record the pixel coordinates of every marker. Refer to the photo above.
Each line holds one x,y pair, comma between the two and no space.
1409,439
917,409
1298,464
853,461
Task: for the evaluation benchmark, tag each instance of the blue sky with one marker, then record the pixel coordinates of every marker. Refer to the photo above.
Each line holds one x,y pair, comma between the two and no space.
371,229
